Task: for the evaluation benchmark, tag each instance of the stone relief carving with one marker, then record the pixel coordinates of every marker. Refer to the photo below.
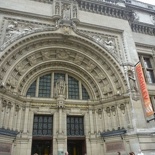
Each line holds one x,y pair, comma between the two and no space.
12,82
20,68
46,55
100,77
78,59
135,16
113,110
16,28
111,43
32,60
108,111
62,54
90,66
122,108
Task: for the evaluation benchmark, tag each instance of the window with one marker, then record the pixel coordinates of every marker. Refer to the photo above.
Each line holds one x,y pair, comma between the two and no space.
44,87
147,64
73,88
42,125
75,126
32,90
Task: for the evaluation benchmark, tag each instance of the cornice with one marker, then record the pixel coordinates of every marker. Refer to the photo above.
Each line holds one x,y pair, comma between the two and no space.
143,28
105,9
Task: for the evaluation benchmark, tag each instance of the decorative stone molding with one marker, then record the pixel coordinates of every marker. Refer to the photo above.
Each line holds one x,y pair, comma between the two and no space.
44,1
90,61
142,28
17,29
103,8
110,43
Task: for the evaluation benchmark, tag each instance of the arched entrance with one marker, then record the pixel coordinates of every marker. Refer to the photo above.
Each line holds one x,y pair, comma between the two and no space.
30,69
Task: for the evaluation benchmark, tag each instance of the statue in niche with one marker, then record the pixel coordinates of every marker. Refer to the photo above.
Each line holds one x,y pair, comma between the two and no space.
74,12
132,81
66,12
57,8
109,43
60,87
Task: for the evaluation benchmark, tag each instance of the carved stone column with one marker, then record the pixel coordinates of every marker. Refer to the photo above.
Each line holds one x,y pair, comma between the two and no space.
18,117
91,122
19,110
11,118
26,118
60,134
7,116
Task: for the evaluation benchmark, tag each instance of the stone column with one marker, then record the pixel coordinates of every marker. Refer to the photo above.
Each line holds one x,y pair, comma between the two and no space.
3,111
91,121
60,135
19,117
11,118
25,129
7,116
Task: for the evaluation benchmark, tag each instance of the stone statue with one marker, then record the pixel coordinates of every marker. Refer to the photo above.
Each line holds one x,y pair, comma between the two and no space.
57,9
60,87
66,12
132,81
74,12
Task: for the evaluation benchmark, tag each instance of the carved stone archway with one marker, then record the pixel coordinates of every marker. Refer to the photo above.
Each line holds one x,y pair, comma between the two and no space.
23,58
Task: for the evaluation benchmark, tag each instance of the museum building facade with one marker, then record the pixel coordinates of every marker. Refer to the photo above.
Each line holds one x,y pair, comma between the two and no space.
77,76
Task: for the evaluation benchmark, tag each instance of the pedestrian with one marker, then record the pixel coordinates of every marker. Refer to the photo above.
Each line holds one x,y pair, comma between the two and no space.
131,153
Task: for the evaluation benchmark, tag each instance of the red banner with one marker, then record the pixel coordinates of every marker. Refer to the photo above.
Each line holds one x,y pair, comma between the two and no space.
144,91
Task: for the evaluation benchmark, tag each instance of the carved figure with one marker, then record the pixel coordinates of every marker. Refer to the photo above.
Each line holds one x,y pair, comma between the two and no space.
66,12
12,29
60,86
46,55
62,54
110,44
132,81
57,9
78,59
32,60
12,82
136,17
74,12
20,68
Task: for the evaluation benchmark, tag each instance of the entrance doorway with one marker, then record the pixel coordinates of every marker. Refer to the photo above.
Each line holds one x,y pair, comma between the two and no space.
76,147
42,147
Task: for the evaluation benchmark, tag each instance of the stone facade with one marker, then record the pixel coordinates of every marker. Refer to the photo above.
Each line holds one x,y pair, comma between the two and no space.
98,42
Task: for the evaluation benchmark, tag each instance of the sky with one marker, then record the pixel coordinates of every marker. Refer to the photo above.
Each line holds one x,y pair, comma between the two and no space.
148,1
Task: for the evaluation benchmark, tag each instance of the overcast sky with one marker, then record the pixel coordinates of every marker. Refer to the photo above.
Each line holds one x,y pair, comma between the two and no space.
148,1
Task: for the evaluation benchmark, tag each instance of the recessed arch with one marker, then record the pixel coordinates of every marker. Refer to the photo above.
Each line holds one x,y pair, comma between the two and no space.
41,49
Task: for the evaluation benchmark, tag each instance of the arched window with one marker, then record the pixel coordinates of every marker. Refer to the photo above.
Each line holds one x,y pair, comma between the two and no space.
44,86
